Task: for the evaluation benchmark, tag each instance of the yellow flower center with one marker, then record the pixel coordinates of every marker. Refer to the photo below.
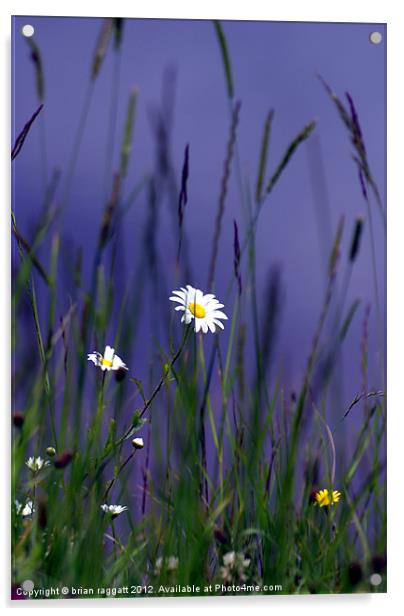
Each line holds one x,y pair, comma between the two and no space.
197,310
106,362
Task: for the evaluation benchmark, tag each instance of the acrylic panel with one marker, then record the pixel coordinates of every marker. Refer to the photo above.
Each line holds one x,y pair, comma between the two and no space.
199,308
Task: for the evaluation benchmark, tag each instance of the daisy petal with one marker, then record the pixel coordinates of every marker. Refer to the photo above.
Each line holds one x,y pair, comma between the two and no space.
214,304
211,326
179,293
109,353
94,357
218,323
118,363
216,314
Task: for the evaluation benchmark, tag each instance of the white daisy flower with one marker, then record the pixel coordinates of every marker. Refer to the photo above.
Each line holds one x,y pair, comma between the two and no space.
36,464
113,510
234,565
203,309
229,559
108,361
170,564
24,510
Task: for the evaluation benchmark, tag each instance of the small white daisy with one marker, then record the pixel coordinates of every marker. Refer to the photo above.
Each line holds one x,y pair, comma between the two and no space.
229,559
108,361
203,309
170,564
24,510
234,565
36,464
113,510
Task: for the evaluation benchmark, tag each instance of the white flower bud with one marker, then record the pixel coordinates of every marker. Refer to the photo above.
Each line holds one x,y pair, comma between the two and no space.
138,443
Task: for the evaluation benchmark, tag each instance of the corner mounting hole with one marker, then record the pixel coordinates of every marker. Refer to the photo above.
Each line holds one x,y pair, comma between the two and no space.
28,30
28,585
375,38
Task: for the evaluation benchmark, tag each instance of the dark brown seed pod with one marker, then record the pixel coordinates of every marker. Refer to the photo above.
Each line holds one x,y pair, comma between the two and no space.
355,573
18,419
220,535
63,459
42,512
312,497
120,374
378,563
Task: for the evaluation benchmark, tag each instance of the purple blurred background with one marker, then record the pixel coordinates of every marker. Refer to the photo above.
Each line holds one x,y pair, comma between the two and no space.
275,65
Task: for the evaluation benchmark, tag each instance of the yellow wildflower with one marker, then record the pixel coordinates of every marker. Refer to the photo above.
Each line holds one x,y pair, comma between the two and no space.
324,498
